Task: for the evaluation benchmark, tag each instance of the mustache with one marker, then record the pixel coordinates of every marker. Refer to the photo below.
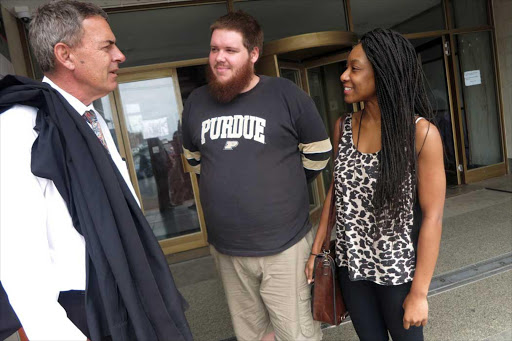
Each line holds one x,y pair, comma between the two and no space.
221,65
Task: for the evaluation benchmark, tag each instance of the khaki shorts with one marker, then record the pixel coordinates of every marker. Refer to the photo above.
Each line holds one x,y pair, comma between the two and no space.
270,293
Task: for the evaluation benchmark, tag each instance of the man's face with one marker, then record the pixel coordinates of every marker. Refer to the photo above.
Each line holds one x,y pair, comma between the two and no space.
96,59
228,55
231,66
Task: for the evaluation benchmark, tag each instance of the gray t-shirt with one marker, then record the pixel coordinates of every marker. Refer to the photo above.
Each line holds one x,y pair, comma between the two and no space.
254,155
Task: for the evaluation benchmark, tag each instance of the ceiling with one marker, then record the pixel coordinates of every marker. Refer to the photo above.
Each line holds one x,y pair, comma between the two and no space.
388,12
33,4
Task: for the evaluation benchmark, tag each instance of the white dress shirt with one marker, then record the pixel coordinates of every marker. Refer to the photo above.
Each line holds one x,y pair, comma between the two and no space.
41,253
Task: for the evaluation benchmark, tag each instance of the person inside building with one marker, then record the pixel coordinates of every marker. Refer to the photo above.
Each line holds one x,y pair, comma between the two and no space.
78,259
256,141
389,184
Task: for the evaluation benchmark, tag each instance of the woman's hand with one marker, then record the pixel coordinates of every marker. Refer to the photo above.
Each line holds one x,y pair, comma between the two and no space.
415,310
310,265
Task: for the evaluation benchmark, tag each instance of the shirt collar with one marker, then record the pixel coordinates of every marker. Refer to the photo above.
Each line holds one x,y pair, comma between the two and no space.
73,101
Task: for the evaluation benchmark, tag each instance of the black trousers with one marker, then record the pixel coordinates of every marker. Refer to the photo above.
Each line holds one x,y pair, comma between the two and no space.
377,309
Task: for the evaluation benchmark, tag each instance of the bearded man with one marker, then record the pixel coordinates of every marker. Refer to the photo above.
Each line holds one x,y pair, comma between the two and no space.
256,141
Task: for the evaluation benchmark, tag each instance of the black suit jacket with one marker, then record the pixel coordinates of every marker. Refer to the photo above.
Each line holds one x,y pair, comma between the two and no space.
130,292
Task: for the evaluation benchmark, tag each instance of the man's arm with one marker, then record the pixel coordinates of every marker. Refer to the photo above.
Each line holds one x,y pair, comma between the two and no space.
314,143
25,260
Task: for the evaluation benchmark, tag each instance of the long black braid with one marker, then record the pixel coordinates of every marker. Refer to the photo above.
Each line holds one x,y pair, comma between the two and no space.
401,94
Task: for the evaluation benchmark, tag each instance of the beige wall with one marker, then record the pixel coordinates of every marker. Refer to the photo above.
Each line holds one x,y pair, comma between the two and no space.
5,66
503,22
13,39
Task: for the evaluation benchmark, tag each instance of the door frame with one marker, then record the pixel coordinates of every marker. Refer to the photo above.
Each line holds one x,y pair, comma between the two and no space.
179,243
450,88
318,185
318,62
302,67
489,171
465,175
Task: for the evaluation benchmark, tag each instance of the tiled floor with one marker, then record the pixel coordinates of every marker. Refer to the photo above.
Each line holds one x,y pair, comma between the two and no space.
477,225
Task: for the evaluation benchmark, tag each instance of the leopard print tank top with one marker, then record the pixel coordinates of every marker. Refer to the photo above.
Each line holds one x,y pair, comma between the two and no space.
370,250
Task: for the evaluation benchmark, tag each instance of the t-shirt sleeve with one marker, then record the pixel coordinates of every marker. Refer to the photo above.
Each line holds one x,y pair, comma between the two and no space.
190,148
314,143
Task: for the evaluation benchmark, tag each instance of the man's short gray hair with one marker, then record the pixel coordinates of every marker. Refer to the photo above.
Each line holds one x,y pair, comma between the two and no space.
58,22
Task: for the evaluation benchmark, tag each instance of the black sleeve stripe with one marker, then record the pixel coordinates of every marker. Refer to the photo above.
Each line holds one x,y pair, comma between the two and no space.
192,155
318,156
314,165
193,160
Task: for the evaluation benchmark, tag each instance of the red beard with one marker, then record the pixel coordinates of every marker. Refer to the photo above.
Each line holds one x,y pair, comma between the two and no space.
227,91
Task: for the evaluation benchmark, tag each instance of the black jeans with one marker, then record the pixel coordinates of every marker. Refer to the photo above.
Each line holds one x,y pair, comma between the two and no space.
376,309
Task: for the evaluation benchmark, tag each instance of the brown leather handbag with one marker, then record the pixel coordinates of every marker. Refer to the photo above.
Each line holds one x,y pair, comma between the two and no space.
327,301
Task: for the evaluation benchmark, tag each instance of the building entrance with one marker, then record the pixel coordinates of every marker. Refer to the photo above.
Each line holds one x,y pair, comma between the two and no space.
144,114
466,107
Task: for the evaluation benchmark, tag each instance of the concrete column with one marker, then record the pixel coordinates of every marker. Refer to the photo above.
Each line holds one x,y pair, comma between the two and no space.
14,41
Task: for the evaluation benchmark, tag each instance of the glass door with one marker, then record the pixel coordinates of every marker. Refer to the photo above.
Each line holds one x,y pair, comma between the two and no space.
292,72
480,122
149,108
326,90
431,53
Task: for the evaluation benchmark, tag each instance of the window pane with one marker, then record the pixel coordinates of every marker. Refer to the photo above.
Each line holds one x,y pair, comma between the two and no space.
152,120
294,76
102,106
431,55
284,18
479,106
404,16
468,13
191,78
165,35
327,92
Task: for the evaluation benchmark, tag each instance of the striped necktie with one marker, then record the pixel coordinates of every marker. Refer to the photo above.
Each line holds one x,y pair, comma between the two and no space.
90,117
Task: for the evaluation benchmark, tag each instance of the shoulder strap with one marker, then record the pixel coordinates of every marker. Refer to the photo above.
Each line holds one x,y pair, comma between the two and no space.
425,139
332,208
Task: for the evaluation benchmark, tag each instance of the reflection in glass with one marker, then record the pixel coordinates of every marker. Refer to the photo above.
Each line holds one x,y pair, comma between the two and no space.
431,54
402,16
326,90
102,106
152,121
477,85
468,13
191,78
294,76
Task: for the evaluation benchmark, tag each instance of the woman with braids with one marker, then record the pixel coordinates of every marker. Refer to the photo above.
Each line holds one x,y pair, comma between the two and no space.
389,187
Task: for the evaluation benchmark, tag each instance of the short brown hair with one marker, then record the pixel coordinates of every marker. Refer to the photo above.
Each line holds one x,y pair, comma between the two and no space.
243,23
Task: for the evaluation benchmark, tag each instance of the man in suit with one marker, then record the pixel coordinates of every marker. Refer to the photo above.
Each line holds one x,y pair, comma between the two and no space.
69,265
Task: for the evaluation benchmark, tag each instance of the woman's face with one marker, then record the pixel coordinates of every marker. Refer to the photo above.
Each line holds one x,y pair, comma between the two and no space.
358,79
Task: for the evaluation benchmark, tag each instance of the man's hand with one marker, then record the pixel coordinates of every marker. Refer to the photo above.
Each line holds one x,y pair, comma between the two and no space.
415,310
310,265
